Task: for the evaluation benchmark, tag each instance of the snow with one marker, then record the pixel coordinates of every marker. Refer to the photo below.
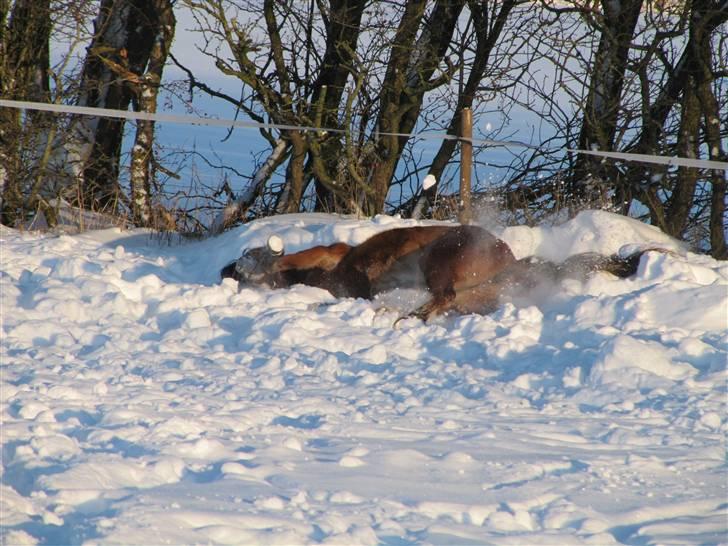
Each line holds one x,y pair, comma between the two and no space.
429,181
145,402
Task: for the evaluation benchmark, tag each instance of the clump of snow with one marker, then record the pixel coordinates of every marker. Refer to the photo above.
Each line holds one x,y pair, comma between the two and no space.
144,401
429,181
275,244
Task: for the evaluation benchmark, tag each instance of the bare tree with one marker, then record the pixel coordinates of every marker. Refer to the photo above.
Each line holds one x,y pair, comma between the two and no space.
616,23
413,69
273,49
44,157
160,22
653,75
24,75
370,92
672,197
125,35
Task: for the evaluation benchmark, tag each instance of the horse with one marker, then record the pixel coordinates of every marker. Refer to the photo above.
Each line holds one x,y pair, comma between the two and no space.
465,268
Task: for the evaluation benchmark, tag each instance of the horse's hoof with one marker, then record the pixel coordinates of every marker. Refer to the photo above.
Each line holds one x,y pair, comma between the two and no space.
414,314
396,322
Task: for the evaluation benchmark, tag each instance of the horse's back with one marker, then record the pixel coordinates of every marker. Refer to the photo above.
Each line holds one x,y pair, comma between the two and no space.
388,246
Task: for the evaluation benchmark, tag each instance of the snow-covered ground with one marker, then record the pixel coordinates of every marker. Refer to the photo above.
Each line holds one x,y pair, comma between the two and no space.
143,402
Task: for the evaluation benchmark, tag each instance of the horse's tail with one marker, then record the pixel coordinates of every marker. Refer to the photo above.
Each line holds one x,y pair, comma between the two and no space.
530,272
581,266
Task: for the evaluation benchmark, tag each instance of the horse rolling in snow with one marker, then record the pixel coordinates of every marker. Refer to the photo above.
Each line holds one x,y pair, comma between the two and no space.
465,269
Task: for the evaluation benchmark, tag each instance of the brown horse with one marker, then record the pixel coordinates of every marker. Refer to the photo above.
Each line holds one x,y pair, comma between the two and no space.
466,269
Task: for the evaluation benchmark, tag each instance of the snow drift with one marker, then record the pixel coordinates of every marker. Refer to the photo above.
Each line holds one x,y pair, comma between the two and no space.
145,402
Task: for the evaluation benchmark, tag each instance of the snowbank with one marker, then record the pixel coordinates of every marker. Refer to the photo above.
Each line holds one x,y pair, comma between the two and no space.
144,402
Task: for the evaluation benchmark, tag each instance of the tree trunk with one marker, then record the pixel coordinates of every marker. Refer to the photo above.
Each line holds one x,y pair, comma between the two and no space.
24,73
161,24
681,200
692,69
295,171
342,34
235,211
410,69
712,130
117,57
717,222
591,177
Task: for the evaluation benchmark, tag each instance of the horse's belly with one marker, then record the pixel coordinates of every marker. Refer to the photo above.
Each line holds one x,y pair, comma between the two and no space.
405,273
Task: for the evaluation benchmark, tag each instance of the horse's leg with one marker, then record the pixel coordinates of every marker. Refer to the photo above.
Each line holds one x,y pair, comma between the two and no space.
482,299
436,306
322,257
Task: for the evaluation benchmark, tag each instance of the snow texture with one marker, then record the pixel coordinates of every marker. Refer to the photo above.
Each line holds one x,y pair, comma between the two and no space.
145,402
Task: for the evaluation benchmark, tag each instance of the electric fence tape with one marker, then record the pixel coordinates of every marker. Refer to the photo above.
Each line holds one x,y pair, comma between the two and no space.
227,123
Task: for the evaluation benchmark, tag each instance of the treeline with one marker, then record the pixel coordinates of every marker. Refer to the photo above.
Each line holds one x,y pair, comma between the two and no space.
639,76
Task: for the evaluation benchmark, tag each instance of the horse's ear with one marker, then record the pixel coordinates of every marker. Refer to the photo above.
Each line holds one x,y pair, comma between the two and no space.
275,245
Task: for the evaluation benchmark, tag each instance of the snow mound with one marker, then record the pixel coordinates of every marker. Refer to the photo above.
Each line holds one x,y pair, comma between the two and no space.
589,231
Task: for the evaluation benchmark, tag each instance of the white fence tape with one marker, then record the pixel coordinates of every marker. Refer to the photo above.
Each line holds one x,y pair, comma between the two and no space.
660,159
216,122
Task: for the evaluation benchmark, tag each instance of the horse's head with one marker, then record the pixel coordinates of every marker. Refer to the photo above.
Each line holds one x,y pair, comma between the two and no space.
257,265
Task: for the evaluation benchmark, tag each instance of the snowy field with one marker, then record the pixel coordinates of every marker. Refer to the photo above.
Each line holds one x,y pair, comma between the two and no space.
144,402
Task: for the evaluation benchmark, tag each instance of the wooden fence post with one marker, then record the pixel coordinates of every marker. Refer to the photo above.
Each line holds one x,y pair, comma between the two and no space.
466,165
